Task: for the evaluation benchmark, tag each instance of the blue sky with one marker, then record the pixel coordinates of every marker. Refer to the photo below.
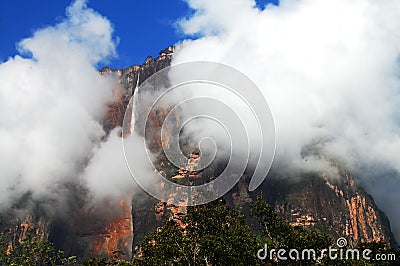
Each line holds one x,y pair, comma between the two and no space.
143,27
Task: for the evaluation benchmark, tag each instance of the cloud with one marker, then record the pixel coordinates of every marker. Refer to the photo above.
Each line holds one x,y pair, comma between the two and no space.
107,175
329,71
52,100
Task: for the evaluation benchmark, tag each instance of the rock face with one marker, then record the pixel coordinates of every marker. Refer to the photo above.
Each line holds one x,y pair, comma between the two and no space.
90,232
336,206
98,234
18,228
128,78
95,233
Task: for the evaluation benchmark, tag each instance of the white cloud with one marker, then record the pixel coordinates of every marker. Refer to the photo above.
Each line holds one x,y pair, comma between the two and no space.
328,69
51,104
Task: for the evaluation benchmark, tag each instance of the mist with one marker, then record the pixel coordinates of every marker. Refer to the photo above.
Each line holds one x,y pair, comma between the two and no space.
329,71
52,102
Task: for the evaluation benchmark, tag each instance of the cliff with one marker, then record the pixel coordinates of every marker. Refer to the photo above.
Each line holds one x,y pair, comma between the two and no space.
337,206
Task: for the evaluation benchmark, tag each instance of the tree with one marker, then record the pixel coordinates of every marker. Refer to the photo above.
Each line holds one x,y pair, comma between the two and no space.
277,234
33,250
213,235
105,262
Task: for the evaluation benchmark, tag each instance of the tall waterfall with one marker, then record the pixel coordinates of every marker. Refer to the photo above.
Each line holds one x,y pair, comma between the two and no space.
134,104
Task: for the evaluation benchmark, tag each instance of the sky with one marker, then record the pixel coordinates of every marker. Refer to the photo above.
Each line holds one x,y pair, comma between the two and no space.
329,71
332,81
143,28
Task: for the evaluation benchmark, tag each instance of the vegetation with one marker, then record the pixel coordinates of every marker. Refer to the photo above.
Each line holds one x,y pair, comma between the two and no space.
277,234
217,235
211,234
214,235
33,250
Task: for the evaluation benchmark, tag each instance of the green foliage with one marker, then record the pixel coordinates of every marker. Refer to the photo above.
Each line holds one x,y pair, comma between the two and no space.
95,262
277,234
280,234
217,235
379,248
33,250
214,235
105,262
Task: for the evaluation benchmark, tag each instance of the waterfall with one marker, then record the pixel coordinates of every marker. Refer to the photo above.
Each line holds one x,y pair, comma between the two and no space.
134,103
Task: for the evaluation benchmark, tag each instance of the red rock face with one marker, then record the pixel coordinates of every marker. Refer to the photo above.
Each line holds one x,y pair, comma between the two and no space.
338,206
105,232
40,228
100,233
341,209
116,110
115,241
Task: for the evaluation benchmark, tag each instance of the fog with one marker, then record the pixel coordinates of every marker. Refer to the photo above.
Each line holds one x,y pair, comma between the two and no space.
330,73
52,102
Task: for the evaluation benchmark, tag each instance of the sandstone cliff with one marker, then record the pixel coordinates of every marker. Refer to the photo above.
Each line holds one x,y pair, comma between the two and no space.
337,206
